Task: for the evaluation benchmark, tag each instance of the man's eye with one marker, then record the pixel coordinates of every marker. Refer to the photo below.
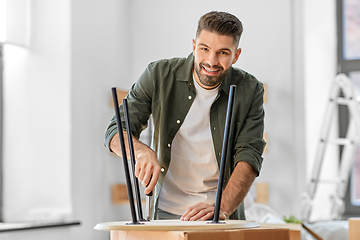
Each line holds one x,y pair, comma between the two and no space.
224,53
204,49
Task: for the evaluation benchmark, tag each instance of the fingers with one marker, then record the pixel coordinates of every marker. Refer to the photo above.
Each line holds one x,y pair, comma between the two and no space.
185,216
208,216
148,173
140,170
137,170
153,180
147,168
200,211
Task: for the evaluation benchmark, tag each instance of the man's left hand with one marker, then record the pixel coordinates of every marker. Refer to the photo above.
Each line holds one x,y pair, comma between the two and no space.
200,211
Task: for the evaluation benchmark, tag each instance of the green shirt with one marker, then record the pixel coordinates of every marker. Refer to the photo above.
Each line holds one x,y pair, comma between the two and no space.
166,90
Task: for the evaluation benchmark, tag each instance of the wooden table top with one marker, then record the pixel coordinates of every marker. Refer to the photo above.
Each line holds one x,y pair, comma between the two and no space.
175,225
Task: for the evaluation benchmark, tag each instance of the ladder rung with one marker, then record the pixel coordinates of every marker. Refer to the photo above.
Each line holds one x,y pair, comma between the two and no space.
340,141
335,180
342,101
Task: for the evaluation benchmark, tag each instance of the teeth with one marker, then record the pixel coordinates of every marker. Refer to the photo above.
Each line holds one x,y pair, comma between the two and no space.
209,70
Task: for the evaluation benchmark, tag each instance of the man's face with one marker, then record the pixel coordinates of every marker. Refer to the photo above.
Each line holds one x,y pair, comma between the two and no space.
214,54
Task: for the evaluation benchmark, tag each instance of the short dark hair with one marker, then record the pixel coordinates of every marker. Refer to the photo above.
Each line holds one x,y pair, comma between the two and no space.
222,23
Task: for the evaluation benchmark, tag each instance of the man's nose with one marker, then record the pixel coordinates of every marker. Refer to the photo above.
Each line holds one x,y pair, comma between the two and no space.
213,59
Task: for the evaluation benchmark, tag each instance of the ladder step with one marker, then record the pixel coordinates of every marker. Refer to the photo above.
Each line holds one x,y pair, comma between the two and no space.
342,101
335,180
339,141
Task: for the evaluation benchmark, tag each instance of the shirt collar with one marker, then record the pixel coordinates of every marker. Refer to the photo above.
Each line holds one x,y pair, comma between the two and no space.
186,73
225,85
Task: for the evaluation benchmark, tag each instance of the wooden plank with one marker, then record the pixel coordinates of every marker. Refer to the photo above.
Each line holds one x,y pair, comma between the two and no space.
262,193
175,225
265,93
121,94
148,235
354,228
119,194
231,234
266,140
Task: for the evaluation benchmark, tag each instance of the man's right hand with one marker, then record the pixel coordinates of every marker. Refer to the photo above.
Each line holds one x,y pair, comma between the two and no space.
147,166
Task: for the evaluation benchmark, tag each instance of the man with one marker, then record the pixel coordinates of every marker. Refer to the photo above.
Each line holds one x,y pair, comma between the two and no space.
187,99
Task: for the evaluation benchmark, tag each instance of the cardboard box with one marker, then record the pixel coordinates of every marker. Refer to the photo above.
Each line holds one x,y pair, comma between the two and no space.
354,228
294,228
260,233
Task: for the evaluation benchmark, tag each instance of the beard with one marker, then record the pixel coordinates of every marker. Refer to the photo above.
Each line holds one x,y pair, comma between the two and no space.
210,81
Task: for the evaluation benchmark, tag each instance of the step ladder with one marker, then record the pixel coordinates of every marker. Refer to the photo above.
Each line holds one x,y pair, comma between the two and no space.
350,143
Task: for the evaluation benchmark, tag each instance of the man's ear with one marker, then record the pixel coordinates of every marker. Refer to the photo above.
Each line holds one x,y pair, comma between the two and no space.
237,55
194,46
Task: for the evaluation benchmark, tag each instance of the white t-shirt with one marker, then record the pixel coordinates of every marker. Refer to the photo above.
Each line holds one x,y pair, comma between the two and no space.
193,172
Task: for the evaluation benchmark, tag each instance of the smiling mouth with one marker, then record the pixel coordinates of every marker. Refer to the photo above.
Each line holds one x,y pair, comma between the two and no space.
210,71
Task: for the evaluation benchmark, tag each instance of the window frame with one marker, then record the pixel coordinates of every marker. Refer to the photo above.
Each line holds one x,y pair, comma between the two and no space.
345,66
1,130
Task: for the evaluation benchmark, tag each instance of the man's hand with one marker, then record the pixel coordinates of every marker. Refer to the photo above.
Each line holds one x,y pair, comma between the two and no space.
147,166
234,193
201,211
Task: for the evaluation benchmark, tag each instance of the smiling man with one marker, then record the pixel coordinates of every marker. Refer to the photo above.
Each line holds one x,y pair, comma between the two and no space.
187,98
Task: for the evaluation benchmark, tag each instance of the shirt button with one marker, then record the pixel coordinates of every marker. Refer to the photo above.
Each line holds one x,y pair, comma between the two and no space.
189,97
178,121
219,154
168,144
162,169
214,128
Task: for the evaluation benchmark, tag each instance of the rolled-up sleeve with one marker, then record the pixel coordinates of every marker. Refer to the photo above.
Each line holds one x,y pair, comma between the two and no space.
139,106
249,144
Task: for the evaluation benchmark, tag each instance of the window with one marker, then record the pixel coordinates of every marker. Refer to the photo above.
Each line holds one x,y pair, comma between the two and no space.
348,20
1,169
37,106
2,39
2,20
351,30
354,182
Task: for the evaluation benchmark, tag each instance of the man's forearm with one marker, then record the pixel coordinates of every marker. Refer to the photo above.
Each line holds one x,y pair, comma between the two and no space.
237,187
115,145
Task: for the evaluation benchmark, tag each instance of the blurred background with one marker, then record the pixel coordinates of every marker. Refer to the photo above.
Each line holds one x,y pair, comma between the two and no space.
60,58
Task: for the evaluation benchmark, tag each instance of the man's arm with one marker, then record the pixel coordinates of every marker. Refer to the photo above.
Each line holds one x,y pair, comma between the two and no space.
147,166
234,193
237,187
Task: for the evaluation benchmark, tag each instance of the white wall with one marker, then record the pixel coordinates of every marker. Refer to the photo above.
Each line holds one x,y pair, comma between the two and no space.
100,56
320,59
37,111
75,56
106,43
